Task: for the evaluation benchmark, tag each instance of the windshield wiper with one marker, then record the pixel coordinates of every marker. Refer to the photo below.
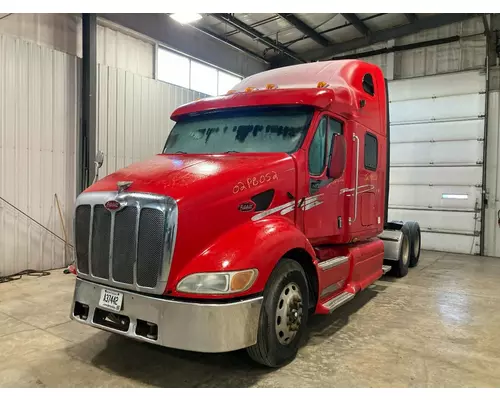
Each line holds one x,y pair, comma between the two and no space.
231,151
180,152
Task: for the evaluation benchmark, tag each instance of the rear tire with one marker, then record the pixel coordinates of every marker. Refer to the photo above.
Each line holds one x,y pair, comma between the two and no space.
415,242
283,317
400,267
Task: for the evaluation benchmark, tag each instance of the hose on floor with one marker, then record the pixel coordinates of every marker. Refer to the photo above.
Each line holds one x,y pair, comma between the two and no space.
19,275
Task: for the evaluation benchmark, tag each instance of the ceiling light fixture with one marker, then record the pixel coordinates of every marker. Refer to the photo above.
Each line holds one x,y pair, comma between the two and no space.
186,18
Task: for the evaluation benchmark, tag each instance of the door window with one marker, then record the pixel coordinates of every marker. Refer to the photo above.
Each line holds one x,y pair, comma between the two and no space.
317,149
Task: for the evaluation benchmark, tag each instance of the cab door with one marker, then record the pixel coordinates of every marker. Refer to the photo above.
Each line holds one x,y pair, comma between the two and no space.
324,217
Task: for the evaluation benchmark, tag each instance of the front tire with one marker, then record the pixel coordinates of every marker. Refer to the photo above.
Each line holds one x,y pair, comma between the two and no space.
283,317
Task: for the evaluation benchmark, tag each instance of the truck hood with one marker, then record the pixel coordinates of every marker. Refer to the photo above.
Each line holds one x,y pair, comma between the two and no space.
184,177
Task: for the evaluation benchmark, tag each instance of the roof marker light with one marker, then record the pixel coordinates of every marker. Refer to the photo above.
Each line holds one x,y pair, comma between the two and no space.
322,85
231,91
249,89
271,86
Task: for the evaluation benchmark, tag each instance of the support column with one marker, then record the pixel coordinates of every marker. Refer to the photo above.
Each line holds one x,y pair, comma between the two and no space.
390,61
88,137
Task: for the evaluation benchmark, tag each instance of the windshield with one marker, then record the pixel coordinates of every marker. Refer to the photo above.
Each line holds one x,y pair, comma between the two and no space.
249,130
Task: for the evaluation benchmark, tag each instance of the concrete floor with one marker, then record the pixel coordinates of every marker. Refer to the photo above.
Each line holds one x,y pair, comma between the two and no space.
437,327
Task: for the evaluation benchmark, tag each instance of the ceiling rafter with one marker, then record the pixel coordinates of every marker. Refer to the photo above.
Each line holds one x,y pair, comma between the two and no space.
434,21
411,18
255,34
305,29
355,21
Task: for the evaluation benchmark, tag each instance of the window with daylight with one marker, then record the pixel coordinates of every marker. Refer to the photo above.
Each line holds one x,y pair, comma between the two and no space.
317,149
183,71
371,152
173,68
226,82
203,78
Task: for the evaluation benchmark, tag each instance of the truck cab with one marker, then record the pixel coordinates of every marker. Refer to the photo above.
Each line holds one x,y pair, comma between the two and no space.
266,205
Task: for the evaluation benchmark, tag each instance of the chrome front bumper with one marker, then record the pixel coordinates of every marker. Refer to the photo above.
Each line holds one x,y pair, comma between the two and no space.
186,325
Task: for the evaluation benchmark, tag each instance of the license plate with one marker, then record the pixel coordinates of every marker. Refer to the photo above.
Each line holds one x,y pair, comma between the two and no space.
111,300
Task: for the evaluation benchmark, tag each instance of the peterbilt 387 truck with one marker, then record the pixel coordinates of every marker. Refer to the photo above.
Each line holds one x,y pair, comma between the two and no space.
266,205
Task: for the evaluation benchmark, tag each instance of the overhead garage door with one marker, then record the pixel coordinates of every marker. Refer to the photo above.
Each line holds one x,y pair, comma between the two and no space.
437,136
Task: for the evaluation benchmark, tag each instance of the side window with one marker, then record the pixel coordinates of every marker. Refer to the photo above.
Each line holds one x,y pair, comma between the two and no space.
368,84
371,151
317,149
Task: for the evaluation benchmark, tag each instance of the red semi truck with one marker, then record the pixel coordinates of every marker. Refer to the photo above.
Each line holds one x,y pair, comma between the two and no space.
267,205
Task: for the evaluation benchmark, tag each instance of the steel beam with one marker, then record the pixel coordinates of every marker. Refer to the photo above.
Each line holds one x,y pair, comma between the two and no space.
411,18
88,136
354,20
431,22
255,34
191,41
305,29
231,43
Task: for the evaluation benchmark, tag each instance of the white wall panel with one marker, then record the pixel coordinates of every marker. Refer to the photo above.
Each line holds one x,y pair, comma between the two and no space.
442,221
430,175
437,140
463,244
123,51
63,32
462,106
437,86
446,153
437,131
57,31
38,128
468,53
420,196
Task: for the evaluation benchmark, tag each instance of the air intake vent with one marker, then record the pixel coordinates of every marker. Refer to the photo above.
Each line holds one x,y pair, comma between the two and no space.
263,200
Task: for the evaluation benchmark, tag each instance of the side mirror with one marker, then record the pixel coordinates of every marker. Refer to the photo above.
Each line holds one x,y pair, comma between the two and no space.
99,158
338,159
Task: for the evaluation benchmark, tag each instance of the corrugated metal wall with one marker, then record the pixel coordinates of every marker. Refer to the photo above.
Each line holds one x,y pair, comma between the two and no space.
39,124
466,54
134,116
38,127
119,50
63,32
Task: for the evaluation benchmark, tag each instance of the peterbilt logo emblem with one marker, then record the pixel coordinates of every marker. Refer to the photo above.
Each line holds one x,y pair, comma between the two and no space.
112,205
123,185
247,206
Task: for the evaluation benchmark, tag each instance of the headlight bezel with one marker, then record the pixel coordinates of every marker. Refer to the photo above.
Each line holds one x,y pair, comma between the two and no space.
196,278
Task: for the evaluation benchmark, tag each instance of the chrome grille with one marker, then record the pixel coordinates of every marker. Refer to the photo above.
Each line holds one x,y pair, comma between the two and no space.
125,245
150,239
101,230
129,248
82,230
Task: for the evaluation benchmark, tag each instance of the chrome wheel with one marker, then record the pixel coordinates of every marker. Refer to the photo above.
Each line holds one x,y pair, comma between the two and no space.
288,313
405,249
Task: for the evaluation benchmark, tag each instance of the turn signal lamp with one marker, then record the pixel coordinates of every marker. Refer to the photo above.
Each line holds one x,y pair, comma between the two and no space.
322,85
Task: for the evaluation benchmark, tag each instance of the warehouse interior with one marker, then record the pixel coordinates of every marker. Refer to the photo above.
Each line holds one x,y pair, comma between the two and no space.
72,85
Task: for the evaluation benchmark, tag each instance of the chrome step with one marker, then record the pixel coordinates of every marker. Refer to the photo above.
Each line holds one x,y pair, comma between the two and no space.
339,300
386,268
333,262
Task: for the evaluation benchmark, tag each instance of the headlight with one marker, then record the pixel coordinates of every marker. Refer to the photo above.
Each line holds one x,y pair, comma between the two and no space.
218,282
